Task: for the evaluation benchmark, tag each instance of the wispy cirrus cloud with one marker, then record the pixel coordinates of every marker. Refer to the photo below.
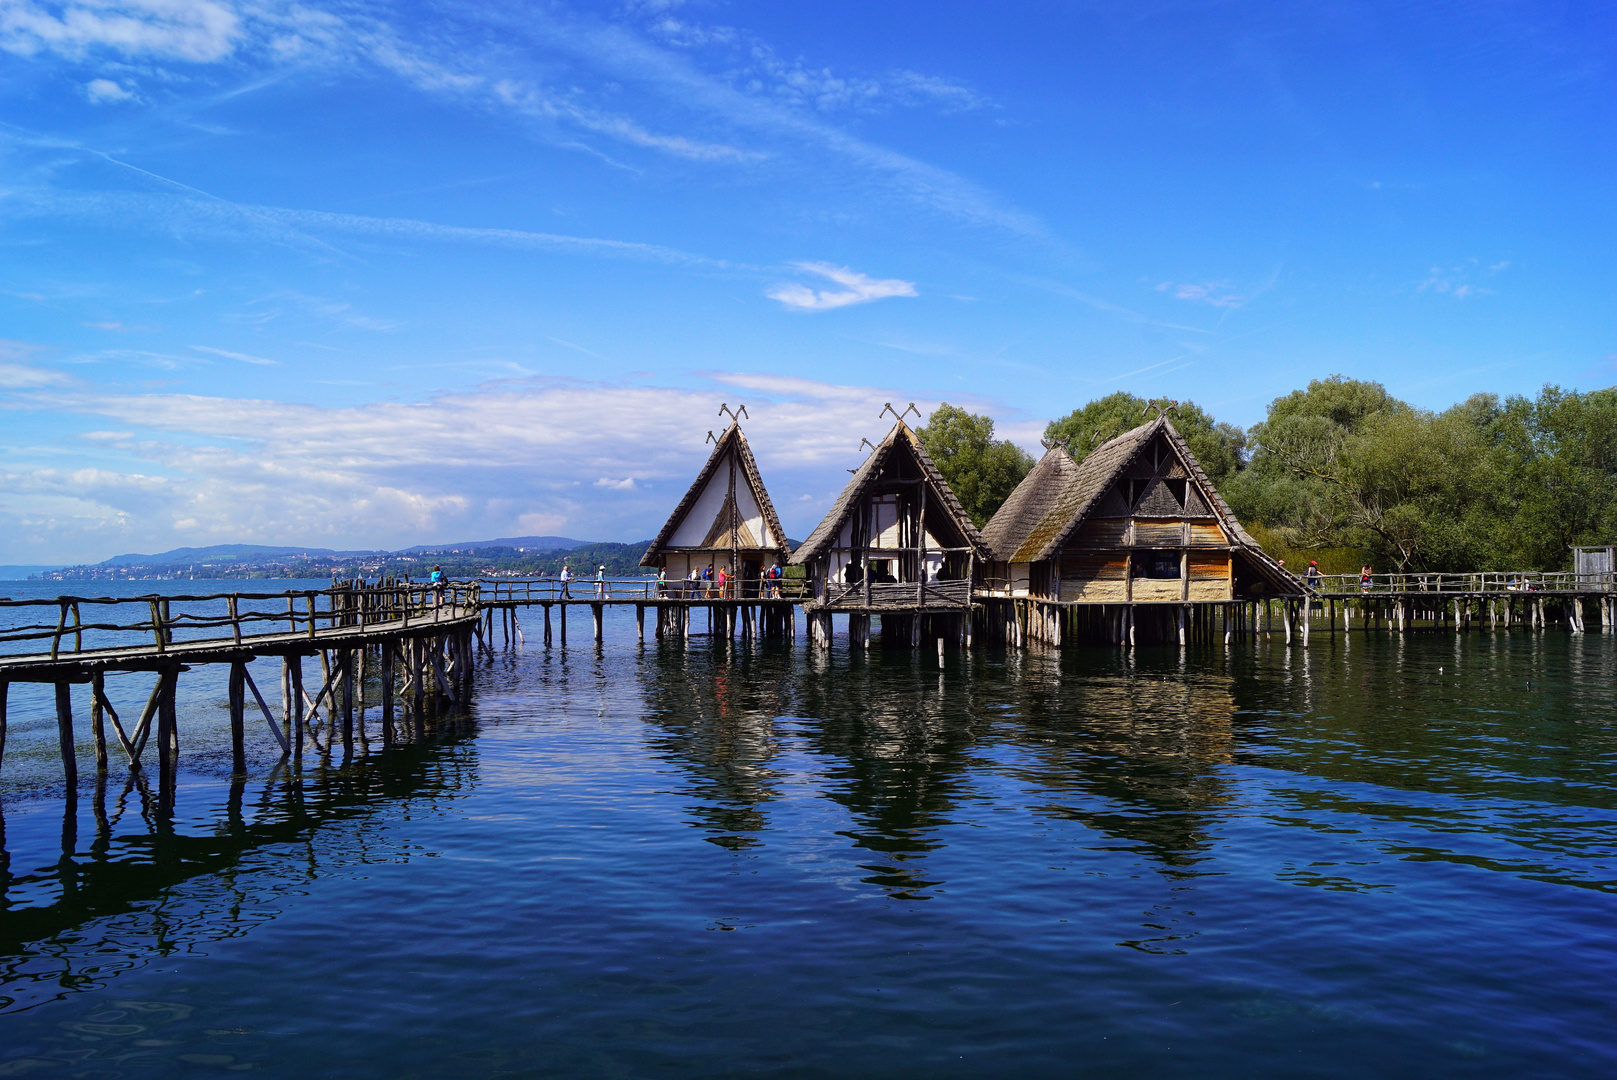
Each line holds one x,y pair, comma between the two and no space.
245,358
1214,293
856,288
519,76
16,373
1466,279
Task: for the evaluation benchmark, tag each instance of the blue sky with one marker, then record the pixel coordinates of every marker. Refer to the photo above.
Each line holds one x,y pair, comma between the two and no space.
373,274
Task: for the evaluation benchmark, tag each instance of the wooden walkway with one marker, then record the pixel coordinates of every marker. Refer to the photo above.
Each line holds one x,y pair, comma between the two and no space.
80,665
424,632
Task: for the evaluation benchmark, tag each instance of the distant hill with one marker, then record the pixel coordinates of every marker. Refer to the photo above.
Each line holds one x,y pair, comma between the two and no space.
511,555
516,543
224,553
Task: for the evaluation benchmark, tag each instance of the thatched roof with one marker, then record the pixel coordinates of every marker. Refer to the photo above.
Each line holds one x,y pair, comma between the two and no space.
1029,503
1103,468
900,440
732,439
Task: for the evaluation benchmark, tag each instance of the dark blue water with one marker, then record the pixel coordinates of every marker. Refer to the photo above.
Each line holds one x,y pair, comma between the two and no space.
1373,857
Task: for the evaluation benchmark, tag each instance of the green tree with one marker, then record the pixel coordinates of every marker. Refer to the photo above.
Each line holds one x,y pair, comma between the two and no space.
1294,483
1219,447
1552,476
982,470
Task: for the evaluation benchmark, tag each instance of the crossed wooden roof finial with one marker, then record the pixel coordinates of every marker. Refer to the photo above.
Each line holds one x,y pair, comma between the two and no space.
741,409
1163,407
899,416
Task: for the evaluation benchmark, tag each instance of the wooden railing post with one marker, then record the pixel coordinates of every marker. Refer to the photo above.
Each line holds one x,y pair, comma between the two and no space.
61,621
157,623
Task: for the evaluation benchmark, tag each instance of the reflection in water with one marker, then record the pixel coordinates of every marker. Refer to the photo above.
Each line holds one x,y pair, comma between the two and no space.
907,860
144,889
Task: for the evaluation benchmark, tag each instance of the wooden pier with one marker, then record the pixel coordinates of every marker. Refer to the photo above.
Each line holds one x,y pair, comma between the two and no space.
750,609
420,633
421,639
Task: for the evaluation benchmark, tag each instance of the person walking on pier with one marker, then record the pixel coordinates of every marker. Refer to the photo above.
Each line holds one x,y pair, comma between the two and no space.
662,581
723,577
1311,576
1364,578
566,581
600,583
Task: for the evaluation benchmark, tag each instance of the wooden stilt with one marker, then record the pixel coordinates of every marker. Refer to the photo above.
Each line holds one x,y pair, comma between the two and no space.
64,734
238,718
294,675
387,648
97,723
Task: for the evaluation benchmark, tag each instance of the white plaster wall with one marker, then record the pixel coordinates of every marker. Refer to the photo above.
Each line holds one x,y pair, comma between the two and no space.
699,519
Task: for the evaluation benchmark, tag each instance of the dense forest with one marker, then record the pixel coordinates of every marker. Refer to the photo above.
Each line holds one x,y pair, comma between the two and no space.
1344,472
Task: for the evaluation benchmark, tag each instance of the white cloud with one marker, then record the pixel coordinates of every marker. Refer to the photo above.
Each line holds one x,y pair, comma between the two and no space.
1215,293
536,455
857,289
243,357
101,91
15,376
196,30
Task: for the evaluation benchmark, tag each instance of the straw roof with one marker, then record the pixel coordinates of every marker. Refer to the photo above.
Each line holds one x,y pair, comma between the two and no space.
1082,496
900,440
732,439
1029,503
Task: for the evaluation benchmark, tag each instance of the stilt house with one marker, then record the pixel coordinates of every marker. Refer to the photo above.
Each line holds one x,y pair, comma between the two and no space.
1019,515
725,519
1138,522
897,538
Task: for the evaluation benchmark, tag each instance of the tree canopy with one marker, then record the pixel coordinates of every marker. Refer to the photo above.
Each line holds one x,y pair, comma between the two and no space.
1345,465
982,470
1345,472
1219,447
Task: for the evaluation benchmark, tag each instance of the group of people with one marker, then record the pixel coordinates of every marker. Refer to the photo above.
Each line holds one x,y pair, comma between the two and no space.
566,578
709,583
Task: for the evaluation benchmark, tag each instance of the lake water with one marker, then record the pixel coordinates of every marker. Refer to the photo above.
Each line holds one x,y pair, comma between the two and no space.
1372,857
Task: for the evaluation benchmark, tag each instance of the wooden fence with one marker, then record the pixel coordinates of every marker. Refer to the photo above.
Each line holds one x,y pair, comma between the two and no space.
84,623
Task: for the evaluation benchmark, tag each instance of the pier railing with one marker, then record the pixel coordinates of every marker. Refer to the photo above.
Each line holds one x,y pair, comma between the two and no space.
1478,582
640,589
898,594
73,624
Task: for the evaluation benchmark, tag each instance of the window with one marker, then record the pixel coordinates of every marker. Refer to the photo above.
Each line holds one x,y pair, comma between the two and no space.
1161,565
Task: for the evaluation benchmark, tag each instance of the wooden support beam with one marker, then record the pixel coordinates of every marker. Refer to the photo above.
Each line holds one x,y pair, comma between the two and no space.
64,734
443,681
98,727
264,708
388,648
294,673
238,718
